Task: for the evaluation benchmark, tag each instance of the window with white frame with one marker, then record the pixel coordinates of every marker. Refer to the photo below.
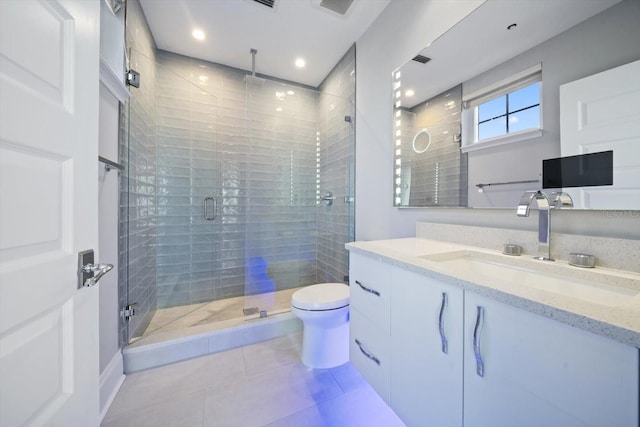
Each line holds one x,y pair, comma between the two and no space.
508,111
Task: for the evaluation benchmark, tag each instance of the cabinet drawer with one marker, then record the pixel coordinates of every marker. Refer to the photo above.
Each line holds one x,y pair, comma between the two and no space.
369,352
369,281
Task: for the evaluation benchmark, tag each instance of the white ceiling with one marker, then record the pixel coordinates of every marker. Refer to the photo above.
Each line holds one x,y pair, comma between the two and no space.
481,41
292,29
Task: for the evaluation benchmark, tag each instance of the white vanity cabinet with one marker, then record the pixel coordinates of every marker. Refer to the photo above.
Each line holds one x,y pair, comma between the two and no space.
426,350
503,366
539,372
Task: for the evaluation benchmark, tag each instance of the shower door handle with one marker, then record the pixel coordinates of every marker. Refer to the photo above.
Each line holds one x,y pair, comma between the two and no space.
209,208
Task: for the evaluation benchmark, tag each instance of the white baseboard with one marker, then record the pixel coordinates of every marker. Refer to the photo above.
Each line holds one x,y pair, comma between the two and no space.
111,380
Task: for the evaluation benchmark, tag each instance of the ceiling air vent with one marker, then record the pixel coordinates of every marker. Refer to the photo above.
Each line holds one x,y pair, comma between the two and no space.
337,6
421,59
268,3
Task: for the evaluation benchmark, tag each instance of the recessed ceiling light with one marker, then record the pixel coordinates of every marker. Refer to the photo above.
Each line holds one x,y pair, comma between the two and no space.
300,63
409,92
203,78
198,34
290,92
279,109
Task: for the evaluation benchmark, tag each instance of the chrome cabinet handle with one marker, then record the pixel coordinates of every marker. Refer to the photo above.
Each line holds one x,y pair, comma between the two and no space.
443,337
371,291
476,342
366,353
205,208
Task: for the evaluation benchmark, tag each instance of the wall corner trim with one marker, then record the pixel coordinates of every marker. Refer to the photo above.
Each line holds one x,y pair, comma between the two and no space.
111,379
113,82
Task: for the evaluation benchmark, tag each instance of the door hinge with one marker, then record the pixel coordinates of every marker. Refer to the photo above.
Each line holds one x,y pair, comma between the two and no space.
129,311
133,78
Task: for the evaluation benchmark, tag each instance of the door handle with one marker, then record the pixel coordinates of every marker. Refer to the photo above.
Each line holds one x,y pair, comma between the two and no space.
207,202
98,271
89,272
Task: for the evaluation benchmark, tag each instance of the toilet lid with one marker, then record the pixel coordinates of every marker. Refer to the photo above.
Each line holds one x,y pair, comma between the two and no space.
325,296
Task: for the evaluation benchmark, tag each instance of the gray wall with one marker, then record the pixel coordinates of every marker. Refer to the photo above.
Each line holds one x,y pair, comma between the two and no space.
112,92
112,55
381,49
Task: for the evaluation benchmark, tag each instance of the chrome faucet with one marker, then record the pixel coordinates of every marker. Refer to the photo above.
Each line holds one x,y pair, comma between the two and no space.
558,200
543,220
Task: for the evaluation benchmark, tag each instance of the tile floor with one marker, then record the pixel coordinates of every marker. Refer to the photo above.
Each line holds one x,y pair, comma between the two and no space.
258,385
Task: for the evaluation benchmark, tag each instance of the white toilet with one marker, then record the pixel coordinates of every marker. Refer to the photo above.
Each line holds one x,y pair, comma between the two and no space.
324,311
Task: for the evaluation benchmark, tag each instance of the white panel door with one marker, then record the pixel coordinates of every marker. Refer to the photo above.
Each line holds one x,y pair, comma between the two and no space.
600,113
49,56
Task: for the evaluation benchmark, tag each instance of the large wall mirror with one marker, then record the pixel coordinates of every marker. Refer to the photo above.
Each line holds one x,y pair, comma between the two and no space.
450,144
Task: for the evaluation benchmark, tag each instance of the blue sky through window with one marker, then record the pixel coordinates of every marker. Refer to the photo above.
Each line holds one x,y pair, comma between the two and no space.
513,112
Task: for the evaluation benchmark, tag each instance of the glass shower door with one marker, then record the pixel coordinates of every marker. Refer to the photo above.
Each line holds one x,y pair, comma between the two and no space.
281,196
301,147
335,214
137,281
188,184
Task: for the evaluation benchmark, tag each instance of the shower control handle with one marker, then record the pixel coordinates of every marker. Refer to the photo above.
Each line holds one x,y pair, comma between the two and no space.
328,198
209,202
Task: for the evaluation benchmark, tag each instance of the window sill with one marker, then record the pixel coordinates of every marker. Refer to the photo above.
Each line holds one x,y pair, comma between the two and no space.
502,140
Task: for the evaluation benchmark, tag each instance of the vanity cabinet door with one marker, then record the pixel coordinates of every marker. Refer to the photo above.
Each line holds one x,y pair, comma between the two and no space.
539,372
426,367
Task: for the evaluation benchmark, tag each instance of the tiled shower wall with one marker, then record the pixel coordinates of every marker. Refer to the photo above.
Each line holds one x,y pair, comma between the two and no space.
336,125
251,145
138,219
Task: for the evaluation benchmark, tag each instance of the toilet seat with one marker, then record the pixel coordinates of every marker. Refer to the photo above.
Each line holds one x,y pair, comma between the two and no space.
321,297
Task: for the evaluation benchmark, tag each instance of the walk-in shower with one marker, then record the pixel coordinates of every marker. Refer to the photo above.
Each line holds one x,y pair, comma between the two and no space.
222,212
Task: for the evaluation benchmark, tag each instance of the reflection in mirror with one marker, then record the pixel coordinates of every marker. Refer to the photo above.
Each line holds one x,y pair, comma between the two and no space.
569,40
421,141
432,170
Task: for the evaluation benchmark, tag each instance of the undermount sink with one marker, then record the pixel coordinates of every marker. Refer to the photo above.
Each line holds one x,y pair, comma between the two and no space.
542,275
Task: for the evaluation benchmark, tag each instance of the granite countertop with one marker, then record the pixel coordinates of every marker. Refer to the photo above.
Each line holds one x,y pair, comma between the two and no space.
620,322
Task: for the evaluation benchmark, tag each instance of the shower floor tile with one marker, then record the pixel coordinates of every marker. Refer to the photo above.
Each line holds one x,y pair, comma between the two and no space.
187,320
257,385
